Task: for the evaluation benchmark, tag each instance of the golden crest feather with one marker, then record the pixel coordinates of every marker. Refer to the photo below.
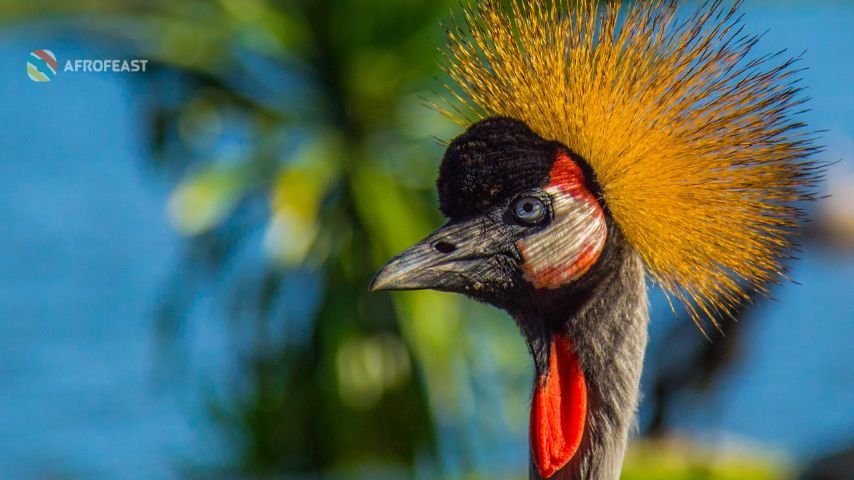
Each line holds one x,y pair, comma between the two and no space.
695,143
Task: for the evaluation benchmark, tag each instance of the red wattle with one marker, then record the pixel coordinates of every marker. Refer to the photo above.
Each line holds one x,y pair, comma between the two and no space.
558,410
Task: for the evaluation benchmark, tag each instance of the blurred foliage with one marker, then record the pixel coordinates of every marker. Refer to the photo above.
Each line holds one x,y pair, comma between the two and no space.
679,459
303,158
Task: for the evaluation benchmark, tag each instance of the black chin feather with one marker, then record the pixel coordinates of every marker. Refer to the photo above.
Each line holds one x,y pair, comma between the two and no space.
542,313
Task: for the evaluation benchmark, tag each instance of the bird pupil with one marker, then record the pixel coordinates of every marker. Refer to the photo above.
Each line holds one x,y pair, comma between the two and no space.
529,210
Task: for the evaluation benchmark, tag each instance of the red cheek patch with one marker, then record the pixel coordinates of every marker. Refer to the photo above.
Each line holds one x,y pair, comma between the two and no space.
566,249
567,176
553,276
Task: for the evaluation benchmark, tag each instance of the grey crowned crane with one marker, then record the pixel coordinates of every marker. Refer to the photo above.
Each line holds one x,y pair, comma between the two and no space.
605,144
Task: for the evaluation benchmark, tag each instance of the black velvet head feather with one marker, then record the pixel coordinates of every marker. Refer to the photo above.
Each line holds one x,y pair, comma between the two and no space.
489,163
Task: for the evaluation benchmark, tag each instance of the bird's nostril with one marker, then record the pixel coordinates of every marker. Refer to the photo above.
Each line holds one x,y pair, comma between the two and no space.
444,247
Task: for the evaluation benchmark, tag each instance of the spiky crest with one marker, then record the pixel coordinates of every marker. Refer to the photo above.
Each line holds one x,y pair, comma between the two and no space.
695,142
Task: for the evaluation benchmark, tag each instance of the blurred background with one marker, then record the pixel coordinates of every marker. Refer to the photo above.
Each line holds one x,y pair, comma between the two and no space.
186,254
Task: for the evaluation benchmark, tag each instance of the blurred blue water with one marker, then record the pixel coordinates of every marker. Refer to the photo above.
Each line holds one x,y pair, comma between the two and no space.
792,388
85,248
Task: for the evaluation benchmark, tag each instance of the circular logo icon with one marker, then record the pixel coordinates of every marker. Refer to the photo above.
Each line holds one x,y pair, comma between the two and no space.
41,65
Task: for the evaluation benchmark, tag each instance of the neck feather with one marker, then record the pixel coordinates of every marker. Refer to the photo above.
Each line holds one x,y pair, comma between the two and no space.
606,322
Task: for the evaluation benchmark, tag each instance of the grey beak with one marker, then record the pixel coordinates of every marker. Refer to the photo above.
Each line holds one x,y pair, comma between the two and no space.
450,259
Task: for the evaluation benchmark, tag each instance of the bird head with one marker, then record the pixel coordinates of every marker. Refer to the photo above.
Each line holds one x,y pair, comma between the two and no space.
522,216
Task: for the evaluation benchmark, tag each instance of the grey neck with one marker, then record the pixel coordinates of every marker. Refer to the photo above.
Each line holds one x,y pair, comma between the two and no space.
609,332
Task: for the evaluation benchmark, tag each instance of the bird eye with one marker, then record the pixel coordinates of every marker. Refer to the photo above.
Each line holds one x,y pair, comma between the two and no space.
529,210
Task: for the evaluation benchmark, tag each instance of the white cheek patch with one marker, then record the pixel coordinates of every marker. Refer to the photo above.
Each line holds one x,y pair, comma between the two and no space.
567,248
